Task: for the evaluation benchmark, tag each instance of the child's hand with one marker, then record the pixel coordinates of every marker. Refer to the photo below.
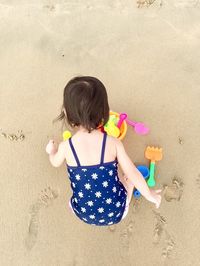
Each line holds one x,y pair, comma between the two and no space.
51,147
155,197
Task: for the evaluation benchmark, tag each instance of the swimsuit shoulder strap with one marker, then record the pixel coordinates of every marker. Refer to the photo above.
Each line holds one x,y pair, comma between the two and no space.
103,147
74,152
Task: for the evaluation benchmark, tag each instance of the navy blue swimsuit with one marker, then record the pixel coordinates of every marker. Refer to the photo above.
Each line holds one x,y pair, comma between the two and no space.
99,198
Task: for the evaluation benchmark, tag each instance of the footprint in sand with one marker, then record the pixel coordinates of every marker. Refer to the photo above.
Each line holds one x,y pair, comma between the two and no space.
113,228
126,234
173,191
130,227
124,240
159,227
12,136
125,237
159,231
146,3
45,199
169,246
47,196
134,207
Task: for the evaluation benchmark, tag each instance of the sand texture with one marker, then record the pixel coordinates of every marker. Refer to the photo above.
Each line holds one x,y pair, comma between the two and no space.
147,54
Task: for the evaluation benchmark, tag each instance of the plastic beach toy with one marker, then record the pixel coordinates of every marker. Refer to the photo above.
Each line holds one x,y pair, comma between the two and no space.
144,170
111,129
66,135
139,127
153,154
123,127
122,117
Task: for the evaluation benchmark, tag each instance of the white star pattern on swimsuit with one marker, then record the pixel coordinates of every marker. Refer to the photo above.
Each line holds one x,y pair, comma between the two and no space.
105,183
94,176
75,199
87,186
114,189
90,203
100,210
98,194
84,170
73,185
102,220
92,216
101,167
110,223
80,194
110,172
116,179
118,214
83,209
110,214
118,204
78,177
108,201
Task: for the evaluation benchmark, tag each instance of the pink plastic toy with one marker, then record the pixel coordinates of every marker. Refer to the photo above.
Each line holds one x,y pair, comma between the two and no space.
140,128
122,117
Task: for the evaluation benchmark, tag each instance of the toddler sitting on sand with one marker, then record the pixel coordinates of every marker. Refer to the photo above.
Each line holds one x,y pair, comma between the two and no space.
100,196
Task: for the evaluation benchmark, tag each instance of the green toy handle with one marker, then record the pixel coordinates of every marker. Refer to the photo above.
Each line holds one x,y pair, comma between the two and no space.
151,181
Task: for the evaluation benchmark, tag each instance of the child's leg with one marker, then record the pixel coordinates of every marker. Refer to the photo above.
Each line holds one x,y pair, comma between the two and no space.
128,186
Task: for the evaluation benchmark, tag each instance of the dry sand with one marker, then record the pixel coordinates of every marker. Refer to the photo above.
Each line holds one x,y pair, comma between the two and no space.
149,60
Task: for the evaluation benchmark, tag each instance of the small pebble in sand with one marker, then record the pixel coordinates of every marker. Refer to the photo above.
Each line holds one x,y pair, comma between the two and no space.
112,228
180,141
3,135
49,7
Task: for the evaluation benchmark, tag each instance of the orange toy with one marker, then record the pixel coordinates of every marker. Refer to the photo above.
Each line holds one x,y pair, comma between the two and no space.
153,154
123,127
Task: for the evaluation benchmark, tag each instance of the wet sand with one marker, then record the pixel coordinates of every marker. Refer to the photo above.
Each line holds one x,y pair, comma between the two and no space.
147,55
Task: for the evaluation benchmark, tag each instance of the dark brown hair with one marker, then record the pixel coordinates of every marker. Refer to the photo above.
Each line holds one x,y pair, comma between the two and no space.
85,101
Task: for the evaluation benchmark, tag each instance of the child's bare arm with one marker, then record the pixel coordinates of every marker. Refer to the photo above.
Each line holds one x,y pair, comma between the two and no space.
134,176
56,155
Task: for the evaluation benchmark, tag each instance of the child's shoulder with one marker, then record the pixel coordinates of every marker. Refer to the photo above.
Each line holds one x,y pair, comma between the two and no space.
112,140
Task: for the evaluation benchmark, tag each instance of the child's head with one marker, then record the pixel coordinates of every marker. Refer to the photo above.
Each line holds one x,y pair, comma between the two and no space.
85,103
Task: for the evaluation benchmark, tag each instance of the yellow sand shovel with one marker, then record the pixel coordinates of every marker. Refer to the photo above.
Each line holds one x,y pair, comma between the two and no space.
154,154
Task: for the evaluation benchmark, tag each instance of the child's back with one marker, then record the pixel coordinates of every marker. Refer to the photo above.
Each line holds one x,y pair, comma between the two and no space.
88,147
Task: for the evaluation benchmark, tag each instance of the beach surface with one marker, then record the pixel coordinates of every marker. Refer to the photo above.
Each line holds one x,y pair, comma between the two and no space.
147,55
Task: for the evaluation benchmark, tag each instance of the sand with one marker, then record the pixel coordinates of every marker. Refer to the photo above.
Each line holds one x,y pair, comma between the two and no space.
147,55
